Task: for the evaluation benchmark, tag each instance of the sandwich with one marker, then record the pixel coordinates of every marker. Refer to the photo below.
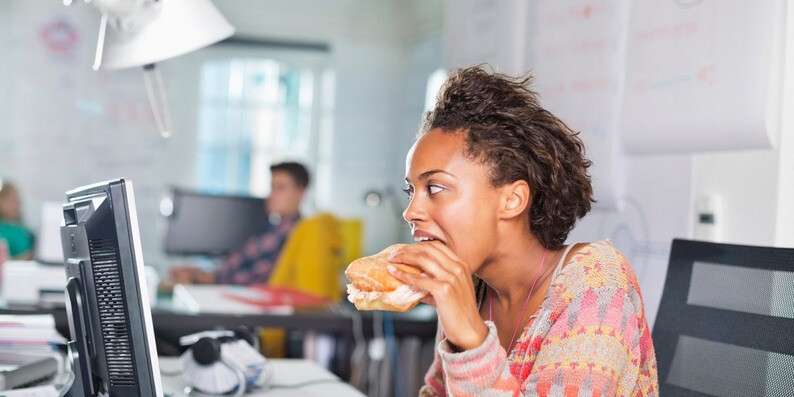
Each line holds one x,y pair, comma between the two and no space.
372,287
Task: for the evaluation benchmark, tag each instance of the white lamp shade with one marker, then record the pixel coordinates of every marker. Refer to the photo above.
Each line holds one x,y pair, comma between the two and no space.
181,26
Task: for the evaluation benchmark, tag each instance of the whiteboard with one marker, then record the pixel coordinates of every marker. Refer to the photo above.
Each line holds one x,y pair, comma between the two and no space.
576,55
702,75
485,31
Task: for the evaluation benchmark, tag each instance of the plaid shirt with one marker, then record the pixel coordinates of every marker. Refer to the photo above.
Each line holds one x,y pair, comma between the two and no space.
254,261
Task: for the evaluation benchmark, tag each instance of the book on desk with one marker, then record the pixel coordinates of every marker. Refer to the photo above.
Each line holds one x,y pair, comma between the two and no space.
28,349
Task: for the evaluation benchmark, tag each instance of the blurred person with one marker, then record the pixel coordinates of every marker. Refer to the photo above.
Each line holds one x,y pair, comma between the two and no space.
17,238
254,261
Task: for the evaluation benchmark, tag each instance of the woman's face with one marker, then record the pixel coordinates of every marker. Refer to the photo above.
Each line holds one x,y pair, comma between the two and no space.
10,206
451,197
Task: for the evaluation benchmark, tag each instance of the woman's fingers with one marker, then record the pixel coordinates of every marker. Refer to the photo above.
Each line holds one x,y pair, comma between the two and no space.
453,264
443,248
441,291
416,281
433,258
428,300
424,259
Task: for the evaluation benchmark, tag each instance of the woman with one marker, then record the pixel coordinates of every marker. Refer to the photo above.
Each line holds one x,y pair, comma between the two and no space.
17,238
496,183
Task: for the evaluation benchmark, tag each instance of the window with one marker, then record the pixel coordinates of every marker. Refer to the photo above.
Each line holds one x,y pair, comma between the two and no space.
254,112
434,83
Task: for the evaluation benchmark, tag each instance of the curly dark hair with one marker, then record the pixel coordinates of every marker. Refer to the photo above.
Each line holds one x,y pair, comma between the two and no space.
507,129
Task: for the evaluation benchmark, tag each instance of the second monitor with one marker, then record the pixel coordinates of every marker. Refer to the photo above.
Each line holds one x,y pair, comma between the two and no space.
210,224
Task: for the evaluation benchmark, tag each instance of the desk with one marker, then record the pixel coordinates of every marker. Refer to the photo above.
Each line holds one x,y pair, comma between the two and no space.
285,372
170,322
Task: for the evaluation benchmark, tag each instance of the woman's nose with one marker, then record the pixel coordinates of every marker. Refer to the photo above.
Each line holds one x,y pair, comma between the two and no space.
413,212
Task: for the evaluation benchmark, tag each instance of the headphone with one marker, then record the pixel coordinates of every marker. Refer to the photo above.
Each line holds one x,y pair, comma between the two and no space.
222,361
205,347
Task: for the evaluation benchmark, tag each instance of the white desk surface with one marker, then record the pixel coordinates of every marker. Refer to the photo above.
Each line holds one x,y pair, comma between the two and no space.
285,372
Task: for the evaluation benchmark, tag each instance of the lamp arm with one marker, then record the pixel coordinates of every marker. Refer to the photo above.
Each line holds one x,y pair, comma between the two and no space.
100,41
155,91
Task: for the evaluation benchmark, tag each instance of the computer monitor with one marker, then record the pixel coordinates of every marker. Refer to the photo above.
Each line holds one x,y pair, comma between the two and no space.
48,242
210,224
112,348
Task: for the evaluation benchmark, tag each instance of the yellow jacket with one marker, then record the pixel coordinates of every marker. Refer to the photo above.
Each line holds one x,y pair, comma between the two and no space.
312,259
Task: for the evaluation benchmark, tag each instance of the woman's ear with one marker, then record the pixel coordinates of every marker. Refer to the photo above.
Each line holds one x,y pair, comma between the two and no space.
514,199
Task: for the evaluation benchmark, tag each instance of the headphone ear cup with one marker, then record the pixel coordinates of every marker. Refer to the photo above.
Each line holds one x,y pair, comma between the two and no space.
206,351
244,333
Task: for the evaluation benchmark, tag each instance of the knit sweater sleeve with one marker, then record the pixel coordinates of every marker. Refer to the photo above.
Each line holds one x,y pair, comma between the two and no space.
483,370
434,379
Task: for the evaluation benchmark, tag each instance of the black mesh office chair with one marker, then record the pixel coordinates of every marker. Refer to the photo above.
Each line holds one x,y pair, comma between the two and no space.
725,325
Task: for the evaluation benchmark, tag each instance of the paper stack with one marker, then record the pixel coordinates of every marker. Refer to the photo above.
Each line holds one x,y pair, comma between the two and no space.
29,334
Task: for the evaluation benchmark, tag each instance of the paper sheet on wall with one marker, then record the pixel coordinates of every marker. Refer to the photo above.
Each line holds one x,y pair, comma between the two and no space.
486,31
576,54
701,75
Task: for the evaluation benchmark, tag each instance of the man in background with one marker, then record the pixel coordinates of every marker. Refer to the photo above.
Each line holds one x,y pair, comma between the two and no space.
254,261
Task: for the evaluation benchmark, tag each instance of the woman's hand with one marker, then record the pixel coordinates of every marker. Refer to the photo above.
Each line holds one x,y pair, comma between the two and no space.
448,281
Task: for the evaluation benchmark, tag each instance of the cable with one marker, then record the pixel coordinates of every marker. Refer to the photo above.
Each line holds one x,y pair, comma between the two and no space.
358,375
377,355
242,384
241,381
63,388
358,329
238,391
392,351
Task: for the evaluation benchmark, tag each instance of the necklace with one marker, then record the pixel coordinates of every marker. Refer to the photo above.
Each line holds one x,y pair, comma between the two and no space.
526,303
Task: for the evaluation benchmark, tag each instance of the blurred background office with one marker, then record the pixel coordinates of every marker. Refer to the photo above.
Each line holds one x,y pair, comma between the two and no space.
341,86
685,108
338,86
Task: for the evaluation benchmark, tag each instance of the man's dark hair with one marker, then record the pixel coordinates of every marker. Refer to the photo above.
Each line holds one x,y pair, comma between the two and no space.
508,130
296,171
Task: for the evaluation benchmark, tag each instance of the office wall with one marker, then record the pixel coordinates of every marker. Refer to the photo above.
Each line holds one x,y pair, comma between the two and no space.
66,125
658,200
747,183
785,203
757,186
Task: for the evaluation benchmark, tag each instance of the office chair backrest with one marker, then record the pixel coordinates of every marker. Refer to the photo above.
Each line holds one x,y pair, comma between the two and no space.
352,233
310,261
725,325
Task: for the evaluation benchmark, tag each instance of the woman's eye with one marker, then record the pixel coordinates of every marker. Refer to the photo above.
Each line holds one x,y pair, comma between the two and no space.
433,189
408,190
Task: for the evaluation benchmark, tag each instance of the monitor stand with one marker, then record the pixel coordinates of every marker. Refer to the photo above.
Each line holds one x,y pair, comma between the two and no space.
78,348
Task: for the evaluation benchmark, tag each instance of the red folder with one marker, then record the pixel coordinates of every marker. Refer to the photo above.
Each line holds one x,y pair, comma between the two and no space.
268,297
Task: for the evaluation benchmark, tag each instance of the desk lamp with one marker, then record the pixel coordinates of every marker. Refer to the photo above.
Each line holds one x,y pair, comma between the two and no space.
140,33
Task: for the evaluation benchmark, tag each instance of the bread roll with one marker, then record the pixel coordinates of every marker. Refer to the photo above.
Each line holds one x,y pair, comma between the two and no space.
372,287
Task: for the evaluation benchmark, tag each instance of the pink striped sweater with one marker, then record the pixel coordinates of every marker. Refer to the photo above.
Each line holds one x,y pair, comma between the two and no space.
589,338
